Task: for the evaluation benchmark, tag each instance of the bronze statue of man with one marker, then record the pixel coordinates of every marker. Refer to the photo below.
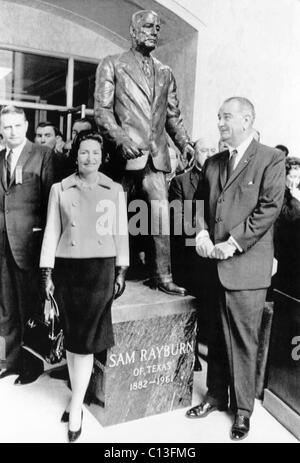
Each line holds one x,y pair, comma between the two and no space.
136,104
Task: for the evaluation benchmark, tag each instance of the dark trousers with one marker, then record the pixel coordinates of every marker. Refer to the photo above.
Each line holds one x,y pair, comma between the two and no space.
150,186
232,347
18,300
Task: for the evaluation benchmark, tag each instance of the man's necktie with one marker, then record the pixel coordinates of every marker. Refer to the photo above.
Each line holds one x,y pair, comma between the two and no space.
8,166
230,164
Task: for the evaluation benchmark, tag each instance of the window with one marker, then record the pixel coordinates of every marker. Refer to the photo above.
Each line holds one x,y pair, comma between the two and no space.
40,85
84,83
33,78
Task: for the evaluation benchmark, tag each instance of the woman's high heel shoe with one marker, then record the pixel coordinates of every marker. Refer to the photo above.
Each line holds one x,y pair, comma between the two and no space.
73,435
65,417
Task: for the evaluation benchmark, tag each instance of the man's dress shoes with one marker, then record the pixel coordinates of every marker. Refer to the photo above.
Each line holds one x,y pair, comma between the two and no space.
240,427
204,409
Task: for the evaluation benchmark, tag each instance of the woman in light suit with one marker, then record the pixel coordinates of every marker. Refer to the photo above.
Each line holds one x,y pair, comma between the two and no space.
86,237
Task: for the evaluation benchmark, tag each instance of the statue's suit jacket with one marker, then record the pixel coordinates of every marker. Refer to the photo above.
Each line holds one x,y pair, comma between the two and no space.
245,207
127,109
23,206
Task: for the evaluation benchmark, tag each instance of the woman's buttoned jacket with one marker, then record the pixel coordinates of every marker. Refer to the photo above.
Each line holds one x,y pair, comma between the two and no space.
86,221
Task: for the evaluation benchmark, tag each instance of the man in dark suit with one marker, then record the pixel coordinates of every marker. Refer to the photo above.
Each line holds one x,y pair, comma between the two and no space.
186,195
245,189
26,175
135,104
48,135
185,190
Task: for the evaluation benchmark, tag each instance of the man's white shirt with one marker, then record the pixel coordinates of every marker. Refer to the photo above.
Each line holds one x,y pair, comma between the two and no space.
241,149
16,153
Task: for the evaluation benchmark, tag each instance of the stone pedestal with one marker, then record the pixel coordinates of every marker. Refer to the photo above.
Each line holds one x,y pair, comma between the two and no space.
282,396
150,368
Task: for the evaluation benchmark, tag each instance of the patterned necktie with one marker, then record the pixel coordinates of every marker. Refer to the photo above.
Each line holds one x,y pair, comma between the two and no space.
146,68
230,164
8,167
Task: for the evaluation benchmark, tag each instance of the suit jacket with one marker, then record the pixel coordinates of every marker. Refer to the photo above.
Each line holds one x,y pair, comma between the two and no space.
183,187
246,208
127,109
188,269
86,223
23,206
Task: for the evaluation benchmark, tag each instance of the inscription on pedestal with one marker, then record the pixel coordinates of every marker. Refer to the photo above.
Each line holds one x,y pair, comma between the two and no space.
150,368
144,372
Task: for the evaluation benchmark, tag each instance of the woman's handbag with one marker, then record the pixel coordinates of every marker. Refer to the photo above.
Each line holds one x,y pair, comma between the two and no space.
45,338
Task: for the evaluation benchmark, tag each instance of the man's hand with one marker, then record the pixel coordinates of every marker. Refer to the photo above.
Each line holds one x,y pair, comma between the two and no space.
130,150
59,145
204,246
223,250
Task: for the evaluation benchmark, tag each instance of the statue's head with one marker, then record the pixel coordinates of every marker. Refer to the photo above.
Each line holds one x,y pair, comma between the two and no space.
144,30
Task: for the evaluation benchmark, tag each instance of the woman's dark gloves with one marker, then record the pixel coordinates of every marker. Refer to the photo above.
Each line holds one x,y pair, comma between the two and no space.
120,281
46,283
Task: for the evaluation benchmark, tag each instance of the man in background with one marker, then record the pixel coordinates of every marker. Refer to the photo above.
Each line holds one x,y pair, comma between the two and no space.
26,176
47,134
78,126
189,269
187,188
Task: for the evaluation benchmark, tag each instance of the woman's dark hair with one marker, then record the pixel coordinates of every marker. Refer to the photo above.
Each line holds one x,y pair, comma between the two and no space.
290,162
80,137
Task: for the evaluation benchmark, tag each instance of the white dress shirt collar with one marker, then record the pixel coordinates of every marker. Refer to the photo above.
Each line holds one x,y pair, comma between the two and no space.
241,149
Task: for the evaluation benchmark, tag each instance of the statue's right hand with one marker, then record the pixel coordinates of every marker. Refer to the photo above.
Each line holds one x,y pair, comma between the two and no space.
130,150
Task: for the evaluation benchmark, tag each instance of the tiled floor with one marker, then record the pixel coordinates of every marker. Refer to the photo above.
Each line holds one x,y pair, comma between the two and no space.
32,414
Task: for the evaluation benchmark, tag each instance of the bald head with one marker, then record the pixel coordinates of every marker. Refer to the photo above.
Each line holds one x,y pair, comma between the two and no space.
204,148
144,30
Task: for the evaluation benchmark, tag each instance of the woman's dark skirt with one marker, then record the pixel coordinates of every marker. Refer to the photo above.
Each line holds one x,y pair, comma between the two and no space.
84,290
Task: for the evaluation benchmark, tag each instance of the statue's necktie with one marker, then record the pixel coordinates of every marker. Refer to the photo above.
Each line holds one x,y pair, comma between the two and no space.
230,164
8,166
146,68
